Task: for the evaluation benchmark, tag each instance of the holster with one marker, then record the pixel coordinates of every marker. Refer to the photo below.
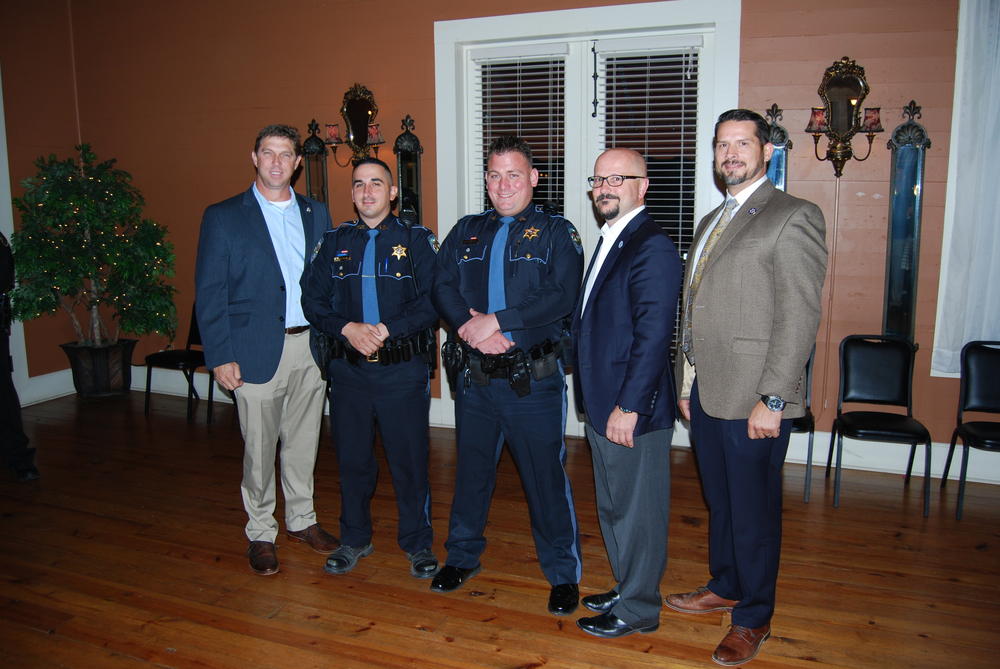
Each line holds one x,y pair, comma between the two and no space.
453,356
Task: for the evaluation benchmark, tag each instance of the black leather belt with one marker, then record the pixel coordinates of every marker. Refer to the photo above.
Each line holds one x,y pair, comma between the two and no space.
393,351
298,329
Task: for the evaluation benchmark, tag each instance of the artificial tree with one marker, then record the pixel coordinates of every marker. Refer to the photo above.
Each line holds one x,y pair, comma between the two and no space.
85,248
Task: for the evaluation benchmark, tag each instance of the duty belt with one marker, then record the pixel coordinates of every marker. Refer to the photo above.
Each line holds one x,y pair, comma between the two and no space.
393,351
540,362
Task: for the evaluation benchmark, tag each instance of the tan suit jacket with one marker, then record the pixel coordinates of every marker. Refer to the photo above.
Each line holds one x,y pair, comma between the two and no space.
755,316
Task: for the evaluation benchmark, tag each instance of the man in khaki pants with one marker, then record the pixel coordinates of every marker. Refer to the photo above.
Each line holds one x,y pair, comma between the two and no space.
251,254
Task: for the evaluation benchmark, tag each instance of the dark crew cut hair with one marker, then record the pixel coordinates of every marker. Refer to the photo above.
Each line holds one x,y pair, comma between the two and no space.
279,130
372,161
762,130
508,143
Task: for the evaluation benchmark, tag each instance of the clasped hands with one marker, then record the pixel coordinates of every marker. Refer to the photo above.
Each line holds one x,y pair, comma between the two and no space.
482,332
365,337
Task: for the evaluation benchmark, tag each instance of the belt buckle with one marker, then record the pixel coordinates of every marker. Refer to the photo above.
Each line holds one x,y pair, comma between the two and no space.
374,357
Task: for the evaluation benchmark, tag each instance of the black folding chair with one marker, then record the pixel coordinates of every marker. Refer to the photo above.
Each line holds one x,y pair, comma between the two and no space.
980,391
878,369
186,360
807,423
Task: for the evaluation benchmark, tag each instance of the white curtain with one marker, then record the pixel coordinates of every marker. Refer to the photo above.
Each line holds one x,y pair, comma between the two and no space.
969,287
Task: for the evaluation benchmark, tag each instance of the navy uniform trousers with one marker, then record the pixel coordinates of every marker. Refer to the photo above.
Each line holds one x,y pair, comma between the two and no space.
741,480
533,427
398,396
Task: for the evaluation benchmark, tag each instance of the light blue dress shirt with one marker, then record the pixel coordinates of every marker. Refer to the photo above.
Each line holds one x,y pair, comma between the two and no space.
284,224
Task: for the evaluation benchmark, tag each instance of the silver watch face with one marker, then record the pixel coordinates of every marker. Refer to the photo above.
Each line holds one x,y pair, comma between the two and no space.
773,402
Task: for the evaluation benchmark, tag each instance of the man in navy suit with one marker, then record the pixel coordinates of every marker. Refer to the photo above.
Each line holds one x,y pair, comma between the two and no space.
251,254
622,328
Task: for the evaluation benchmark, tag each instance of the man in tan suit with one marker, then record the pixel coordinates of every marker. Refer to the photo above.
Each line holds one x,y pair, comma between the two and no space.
751,311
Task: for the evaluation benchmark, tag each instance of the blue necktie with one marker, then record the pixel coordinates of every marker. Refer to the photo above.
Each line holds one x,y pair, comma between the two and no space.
498,294
369,295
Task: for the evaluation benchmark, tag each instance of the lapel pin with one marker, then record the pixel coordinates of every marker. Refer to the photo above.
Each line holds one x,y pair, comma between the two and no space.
752,211
620,243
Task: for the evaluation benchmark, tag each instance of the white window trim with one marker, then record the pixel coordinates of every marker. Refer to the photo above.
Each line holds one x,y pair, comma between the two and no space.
719,63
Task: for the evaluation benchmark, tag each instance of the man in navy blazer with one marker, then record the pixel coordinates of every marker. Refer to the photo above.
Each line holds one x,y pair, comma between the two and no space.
251,253
622,328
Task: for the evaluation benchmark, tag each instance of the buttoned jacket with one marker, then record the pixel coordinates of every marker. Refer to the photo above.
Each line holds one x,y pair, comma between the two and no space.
755,315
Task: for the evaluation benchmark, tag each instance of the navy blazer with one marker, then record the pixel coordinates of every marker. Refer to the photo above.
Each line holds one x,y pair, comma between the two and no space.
622,341
240,293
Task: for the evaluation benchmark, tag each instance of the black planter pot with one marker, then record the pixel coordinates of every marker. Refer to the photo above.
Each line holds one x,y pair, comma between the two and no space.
99,371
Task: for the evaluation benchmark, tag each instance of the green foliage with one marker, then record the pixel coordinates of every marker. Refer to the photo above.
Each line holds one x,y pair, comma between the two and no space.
84,246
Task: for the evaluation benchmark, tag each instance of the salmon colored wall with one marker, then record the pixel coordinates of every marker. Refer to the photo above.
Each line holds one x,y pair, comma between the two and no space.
177,91
908,51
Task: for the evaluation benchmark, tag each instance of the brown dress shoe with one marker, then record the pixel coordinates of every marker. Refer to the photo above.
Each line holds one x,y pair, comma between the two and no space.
318,539
740,645
263,558
701,600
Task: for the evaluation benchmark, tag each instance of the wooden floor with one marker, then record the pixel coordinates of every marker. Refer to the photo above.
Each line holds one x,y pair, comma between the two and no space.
129,552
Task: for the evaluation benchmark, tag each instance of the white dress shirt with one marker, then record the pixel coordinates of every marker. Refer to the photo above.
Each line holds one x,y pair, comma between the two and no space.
609,235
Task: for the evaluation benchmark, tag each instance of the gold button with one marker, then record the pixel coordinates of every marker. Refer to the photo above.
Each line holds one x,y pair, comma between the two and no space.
398,274
465,257
528,256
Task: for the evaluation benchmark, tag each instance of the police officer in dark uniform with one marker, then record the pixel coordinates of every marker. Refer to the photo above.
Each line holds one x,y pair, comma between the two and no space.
14,441
506,280
368,290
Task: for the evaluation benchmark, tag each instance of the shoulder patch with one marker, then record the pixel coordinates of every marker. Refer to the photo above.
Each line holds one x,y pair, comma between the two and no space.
575,237
315,251
433,241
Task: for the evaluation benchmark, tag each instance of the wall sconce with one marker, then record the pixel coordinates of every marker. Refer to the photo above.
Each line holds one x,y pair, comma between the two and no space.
363,134
314,157
777,169
843,89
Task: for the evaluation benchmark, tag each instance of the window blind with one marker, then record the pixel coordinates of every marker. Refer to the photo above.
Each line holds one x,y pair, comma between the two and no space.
526,97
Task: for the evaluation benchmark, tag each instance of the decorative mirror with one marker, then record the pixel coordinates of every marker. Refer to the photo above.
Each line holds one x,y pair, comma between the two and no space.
777,169
407,149
359,111
909,144
843,89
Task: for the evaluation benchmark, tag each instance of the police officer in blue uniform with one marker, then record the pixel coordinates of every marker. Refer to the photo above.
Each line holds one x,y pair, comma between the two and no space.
506,280
368,290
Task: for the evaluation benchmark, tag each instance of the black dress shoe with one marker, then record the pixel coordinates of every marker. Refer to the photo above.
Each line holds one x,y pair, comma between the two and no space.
603,602
563,599
610,626
452,578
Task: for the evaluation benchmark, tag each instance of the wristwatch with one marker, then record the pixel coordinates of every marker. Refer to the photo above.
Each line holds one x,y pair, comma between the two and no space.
624,410
773,402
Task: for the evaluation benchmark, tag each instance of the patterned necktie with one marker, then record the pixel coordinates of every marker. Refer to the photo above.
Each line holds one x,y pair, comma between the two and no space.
713,238
369,295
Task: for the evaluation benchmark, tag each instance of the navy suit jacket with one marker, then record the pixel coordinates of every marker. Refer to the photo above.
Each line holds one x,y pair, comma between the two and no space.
623,339
240,293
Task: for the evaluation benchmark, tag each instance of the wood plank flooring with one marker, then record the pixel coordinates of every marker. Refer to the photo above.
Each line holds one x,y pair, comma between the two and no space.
129,552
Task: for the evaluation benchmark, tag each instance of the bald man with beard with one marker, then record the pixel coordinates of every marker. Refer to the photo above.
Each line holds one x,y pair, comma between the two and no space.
623,327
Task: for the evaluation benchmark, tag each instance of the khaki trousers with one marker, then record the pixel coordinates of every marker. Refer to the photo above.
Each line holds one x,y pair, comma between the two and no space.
288,408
